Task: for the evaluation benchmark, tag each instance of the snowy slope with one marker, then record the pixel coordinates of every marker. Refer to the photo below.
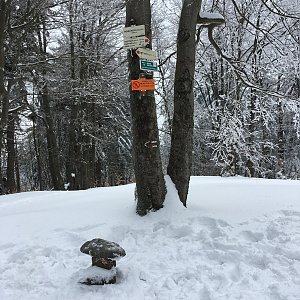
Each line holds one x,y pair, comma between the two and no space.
238,239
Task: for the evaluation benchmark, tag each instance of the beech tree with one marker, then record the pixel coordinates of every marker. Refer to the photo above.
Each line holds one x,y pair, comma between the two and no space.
150,184
180,162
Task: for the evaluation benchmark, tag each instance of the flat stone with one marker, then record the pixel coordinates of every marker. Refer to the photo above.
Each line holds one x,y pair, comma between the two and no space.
100,248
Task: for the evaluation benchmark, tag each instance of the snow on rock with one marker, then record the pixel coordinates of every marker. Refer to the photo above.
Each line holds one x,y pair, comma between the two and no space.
238,239
206,18
100,248
93,275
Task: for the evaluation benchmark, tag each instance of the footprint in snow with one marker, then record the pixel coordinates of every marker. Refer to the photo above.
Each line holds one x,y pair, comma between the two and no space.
7,246
252,236
161,225
180,231
272,232
88,227
291,213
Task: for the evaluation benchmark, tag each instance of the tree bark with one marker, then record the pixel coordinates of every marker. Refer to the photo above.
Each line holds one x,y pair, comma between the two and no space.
17,168
280,136
36,145
4,99
11,183
180,161
53,156
150,184
71,164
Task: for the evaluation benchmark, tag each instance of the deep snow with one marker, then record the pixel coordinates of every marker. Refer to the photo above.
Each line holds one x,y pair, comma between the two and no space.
238,239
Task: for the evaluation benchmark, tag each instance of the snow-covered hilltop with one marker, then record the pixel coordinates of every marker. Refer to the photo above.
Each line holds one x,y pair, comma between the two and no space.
238,239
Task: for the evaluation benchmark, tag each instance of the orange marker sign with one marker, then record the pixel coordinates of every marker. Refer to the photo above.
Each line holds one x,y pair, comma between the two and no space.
143,84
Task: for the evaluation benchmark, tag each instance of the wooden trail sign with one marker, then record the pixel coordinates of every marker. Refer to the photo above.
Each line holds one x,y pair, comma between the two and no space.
134,31
135,42
144,53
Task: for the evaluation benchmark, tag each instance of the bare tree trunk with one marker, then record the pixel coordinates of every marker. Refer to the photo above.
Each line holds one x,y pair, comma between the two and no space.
53,156
54,163
17,167
280,137
10,173
92,151
71,164
180,162
150,184
36,145
280,132
251,127
4,100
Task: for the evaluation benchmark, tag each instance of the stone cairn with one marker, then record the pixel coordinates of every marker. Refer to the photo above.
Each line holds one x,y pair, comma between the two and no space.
104,255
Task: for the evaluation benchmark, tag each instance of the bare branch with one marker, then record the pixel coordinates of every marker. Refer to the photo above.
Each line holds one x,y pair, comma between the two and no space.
278,10
239,72
166,59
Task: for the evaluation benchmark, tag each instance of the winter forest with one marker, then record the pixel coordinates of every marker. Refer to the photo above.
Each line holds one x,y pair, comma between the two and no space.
66,120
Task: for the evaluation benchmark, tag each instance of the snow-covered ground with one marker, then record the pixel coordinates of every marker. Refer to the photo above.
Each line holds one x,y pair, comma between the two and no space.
238,239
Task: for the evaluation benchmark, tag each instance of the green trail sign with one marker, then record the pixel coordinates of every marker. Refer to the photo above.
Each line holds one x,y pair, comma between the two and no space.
148,65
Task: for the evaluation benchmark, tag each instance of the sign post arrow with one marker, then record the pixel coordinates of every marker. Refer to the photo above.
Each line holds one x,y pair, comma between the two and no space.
134,31
151,144
144,53
135,42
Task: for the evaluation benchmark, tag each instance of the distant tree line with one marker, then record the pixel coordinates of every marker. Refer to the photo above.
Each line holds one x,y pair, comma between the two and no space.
65,119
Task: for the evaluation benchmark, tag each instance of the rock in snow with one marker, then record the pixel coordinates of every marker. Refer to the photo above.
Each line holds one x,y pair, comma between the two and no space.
103,254
100,248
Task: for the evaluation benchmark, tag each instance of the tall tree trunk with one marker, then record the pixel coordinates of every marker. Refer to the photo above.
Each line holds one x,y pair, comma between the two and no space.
17,168
150,184
180,162
84,163
10,173
36,145
92,150
250,170
280,132
53,156
71,165
280,138
4,100
54,162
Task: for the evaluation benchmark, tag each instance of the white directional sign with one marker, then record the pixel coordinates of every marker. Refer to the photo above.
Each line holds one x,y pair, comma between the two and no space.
133,31
135,42
146,54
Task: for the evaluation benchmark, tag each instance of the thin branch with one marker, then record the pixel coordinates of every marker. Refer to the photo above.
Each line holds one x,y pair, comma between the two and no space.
166,59
278,12
238,71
